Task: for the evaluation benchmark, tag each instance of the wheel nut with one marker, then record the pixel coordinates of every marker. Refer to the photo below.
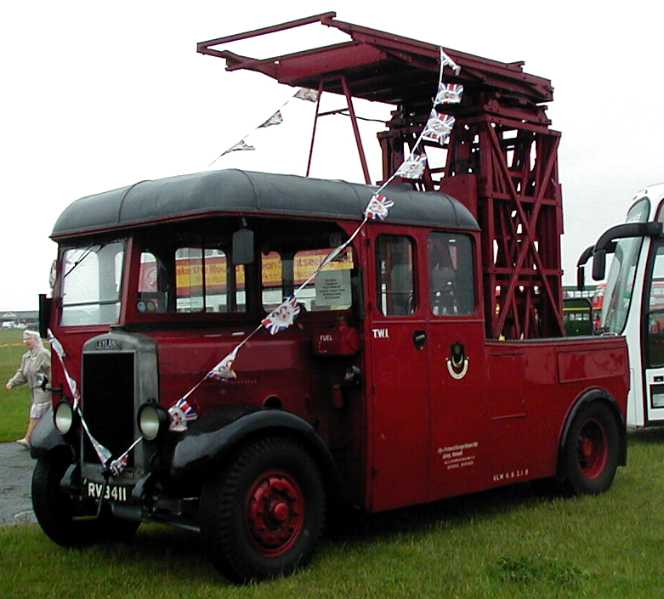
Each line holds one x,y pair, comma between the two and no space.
280,512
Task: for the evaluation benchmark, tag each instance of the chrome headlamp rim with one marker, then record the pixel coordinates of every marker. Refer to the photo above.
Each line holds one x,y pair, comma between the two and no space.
63,417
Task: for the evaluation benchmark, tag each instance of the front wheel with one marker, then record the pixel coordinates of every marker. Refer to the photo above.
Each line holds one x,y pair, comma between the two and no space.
66,521
263,516
591,453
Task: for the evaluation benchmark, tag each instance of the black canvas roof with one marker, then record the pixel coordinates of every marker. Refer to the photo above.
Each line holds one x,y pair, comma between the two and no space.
236,191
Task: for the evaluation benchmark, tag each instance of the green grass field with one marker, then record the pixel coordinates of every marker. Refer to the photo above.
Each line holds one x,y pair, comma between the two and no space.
15,404
511,543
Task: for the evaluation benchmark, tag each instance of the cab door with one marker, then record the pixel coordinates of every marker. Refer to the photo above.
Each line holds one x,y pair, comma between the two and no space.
653,334
457,367
398,387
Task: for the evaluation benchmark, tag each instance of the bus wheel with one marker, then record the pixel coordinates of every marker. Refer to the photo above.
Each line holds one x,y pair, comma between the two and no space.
263,516
591,450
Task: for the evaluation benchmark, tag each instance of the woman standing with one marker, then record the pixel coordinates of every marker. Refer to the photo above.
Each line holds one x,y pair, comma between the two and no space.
35,364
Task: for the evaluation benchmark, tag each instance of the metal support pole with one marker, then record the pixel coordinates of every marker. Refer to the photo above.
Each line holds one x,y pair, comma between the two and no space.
313,133
356,130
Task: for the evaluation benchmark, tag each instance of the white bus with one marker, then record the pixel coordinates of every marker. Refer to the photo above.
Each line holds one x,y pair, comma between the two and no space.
633,303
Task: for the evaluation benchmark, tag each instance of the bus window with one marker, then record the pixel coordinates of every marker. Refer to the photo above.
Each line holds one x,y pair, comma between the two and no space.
655,311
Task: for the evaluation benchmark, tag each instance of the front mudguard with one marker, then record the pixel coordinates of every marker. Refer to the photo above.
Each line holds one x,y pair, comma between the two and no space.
200,450
46,437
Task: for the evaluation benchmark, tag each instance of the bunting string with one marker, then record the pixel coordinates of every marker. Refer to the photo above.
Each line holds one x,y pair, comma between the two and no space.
275,119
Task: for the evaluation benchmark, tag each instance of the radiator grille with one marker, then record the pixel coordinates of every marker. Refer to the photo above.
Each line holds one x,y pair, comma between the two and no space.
108,402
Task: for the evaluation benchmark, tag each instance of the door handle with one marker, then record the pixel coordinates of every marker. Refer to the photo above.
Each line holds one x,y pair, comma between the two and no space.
419,339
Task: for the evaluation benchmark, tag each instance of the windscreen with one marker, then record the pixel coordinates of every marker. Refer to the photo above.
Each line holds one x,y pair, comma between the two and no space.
620,283
91,283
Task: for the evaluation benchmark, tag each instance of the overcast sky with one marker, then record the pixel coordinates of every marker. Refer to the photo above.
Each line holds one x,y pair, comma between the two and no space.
96,96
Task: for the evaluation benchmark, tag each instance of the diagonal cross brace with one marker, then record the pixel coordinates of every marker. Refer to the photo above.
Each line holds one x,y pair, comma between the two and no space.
528,224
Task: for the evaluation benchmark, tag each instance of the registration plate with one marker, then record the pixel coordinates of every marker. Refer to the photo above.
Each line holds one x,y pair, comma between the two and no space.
107,492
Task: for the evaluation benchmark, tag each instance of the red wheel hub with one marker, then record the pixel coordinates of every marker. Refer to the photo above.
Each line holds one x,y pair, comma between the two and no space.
593,449
275,513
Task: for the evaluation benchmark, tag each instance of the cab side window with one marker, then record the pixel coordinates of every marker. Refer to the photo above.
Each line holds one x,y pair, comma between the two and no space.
284,271
396,275
189,274
451,274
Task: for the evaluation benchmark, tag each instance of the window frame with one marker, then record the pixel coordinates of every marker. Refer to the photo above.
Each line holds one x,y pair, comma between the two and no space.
474,276
354,300
180,318
416,280
66,246
255,311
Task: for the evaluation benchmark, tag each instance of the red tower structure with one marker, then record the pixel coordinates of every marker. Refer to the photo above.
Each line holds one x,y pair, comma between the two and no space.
501,160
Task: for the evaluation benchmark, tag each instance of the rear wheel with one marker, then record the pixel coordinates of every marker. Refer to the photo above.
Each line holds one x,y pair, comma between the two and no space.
263,516
591,450
66,521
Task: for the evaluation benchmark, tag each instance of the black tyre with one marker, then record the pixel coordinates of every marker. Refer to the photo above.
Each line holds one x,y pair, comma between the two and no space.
263,516
66,521
591,453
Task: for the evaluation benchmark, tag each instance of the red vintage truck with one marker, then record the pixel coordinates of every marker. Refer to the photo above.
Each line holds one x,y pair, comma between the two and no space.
416,369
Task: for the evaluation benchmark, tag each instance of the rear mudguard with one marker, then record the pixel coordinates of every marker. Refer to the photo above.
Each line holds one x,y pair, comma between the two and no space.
203,448
585,399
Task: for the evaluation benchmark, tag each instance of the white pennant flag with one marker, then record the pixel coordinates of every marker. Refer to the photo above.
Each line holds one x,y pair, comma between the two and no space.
413,167
276,119
224,369
438,127
448,93
446,61
378,207
282,316
309,95
55,344
240,146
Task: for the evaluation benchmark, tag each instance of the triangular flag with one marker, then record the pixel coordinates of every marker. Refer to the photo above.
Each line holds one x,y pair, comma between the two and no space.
240,146
446,61
413,168
378,207
276,119
448,93
438,127
310,95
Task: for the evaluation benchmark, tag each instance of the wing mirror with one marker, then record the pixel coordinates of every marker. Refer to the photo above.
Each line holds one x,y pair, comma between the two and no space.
243,246
606,243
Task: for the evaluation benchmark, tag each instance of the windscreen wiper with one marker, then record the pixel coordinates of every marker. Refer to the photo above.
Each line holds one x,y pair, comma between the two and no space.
87,252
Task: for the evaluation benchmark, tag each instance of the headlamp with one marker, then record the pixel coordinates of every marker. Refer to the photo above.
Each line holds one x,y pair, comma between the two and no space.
152,420
63,417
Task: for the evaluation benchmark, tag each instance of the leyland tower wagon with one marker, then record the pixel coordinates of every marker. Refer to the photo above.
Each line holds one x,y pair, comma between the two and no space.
427,359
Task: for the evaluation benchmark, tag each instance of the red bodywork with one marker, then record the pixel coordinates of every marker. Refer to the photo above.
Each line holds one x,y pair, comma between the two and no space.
410,433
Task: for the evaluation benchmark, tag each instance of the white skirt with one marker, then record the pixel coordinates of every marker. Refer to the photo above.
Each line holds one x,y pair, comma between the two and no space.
37,410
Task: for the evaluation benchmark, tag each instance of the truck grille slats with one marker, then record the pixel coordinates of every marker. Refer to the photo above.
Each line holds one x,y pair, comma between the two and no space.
108,402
